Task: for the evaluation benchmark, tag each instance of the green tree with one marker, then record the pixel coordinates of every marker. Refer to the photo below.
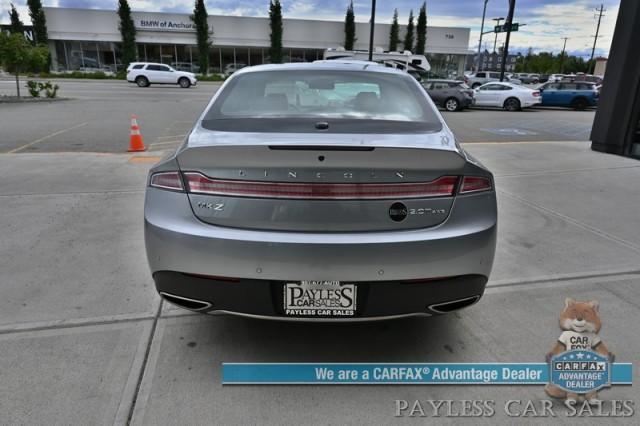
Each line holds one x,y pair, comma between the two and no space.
421,30
394,37
39,21
408,37
128,32
18,55
275,22
548,63
200,19
349,28
16,26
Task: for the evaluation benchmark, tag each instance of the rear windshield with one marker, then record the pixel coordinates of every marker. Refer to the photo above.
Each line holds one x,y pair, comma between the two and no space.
332,101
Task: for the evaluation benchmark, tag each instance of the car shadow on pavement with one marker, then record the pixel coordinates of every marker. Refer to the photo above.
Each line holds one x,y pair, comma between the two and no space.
402,340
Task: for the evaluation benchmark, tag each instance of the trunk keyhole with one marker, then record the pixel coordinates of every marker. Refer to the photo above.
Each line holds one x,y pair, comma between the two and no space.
321,158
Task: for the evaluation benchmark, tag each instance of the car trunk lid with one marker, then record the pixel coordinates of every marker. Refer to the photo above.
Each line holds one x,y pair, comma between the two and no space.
320,183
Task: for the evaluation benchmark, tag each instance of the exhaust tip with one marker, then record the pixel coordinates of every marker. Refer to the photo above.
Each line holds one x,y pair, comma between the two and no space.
453,305
185,302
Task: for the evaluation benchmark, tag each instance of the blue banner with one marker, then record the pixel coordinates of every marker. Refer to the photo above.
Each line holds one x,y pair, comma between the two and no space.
404,373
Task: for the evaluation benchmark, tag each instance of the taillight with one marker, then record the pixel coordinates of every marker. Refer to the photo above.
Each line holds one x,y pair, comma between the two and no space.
474,184
166,180
535,94
441,187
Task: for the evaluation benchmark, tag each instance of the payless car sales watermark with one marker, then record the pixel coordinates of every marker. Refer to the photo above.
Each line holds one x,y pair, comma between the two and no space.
511,408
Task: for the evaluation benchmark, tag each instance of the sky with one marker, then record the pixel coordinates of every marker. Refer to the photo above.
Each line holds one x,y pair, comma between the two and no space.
547,21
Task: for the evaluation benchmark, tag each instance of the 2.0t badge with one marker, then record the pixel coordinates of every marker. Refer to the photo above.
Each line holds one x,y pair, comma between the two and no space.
399,212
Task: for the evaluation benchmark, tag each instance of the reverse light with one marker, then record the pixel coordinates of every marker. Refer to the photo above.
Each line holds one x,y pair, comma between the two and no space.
441,187
166,180
474,184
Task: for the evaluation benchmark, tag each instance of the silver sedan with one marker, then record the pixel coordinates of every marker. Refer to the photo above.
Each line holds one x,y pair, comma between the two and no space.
321,191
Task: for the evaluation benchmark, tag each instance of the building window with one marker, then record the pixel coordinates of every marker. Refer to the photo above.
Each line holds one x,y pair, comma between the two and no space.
152,52
183,58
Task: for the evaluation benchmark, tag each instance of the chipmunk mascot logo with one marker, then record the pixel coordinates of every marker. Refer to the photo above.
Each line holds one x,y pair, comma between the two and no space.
579,350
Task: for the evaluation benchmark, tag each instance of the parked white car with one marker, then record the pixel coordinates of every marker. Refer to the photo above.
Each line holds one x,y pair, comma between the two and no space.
512,97
231,68
146,73
554,78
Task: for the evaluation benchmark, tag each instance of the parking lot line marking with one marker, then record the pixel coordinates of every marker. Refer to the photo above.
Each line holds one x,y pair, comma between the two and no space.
144,160
589,228
44,138
165,142
75,322
172,136
556,278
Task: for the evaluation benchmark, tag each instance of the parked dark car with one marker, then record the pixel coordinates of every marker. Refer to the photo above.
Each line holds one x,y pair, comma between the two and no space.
584,78
569,94
452,95
529,78
588,78
543,78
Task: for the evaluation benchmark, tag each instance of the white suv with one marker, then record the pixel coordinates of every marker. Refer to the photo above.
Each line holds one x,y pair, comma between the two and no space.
146,73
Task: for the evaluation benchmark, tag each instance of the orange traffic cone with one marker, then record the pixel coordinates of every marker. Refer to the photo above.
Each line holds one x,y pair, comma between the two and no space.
135,143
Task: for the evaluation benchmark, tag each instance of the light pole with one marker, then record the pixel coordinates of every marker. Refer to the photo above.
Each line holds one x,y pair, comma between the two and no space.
564,46
373,23
508,23
484,11
595,37
495,40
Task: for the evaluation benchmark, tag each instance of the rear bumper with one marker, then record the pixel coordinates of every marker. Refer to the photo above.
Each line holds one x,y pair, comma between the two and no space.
532,102
177,241
467,101
180,246
264,298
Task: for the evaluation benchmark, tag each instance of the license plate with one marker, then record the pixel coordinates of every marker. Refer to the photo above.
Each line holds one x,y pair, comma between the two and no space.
320,299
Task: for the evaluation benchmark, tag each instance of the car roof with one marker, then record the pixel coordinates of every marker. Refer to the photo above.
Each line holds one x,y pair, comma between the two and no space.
506,83
442,80
329,65
149,63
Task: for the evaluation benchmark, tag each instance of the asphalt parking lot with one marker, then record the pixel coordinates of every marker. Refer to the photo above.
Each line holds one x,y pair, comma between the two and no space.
84,338
96,118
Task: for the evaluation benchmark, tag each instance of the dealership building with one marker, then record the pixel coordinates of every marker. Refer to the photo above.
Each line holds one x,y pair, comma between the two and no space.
89,39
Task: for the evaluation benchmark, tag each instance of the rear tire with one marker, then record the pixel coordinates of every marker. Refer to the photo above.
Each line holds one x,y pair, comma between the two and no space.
142,81
475,85
184,82
579,104
451,104
512,104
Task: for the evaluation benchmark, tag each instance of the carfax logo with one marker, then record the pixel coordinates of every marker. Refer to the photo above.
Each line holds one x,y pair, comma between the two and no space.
579,371
579,362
